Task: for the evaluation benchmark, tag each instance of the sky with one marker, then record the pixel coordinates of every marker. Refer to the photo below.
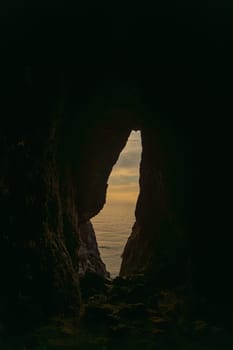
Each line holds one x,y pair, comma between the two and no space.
123,181
114,222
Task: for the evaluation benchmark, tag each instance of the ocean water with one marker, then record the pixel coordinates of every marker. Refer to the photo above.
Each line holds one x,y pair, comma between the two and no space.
113,226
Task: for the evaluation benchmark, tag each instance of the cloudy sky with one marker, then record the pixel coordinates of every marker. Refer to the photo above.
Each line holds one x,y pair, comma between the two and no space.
123,181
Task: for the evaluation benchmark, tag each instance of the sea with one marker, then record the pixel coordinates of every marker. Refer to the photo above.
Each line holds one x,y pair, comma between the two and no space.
113,226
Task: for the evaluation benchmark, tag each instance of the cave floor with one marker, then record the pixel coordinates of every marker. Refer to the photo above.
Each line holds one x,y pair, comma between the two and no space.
124,313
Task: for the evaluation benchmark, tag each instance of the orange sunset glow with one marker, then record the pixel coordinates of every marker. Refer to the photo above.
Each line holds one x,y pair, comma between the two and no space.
114,223
123,182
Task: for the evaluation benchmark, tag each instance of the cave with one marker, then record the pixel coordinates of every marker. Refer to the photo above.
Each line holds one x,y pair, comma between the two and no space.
68,109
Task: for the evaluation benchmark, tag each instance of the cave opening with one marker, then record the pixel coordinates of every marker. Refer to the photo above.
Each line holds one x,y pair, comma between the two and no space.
114,223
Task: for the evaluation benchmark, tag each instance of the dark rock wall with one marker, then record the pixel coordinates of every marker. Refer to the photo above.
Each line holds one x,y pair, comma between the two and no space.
158,243
105,142
34,243
167,72
56,160
39,231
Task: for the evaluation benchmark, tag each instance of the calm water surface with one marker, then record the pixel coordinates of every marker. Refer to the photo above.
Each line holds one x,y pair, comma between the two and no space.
112,227
114,223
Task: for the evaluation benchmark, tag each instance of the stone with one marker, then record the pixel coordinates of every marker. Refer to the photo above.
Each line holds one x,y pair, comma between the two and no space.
88,254
132,311
64,125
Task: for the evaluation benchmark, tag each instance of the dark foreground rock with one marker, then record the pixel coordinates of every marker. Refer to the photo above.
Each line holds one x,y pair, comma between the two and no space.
163,321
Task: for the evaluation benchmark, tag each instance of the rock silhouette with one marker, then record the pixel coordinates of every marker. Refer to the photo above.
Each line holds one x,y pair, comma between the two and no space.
74,85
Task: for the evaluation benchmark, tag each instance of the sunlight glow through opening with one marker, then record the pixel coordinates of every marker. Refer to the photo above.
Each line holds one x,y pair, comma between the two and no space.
114,223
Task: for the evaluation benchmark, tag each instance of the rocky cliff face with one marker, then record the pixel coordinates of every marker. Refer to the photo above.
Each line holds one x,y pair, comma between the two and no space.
39,233
88,253
65,123
54,180
97,148
158,244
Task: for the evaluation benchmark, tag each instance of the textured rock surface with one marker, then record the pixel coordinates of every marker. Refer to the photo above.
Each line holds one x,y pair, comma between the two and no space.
64,125
39,232
157,242
88,253
102,147
114,318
